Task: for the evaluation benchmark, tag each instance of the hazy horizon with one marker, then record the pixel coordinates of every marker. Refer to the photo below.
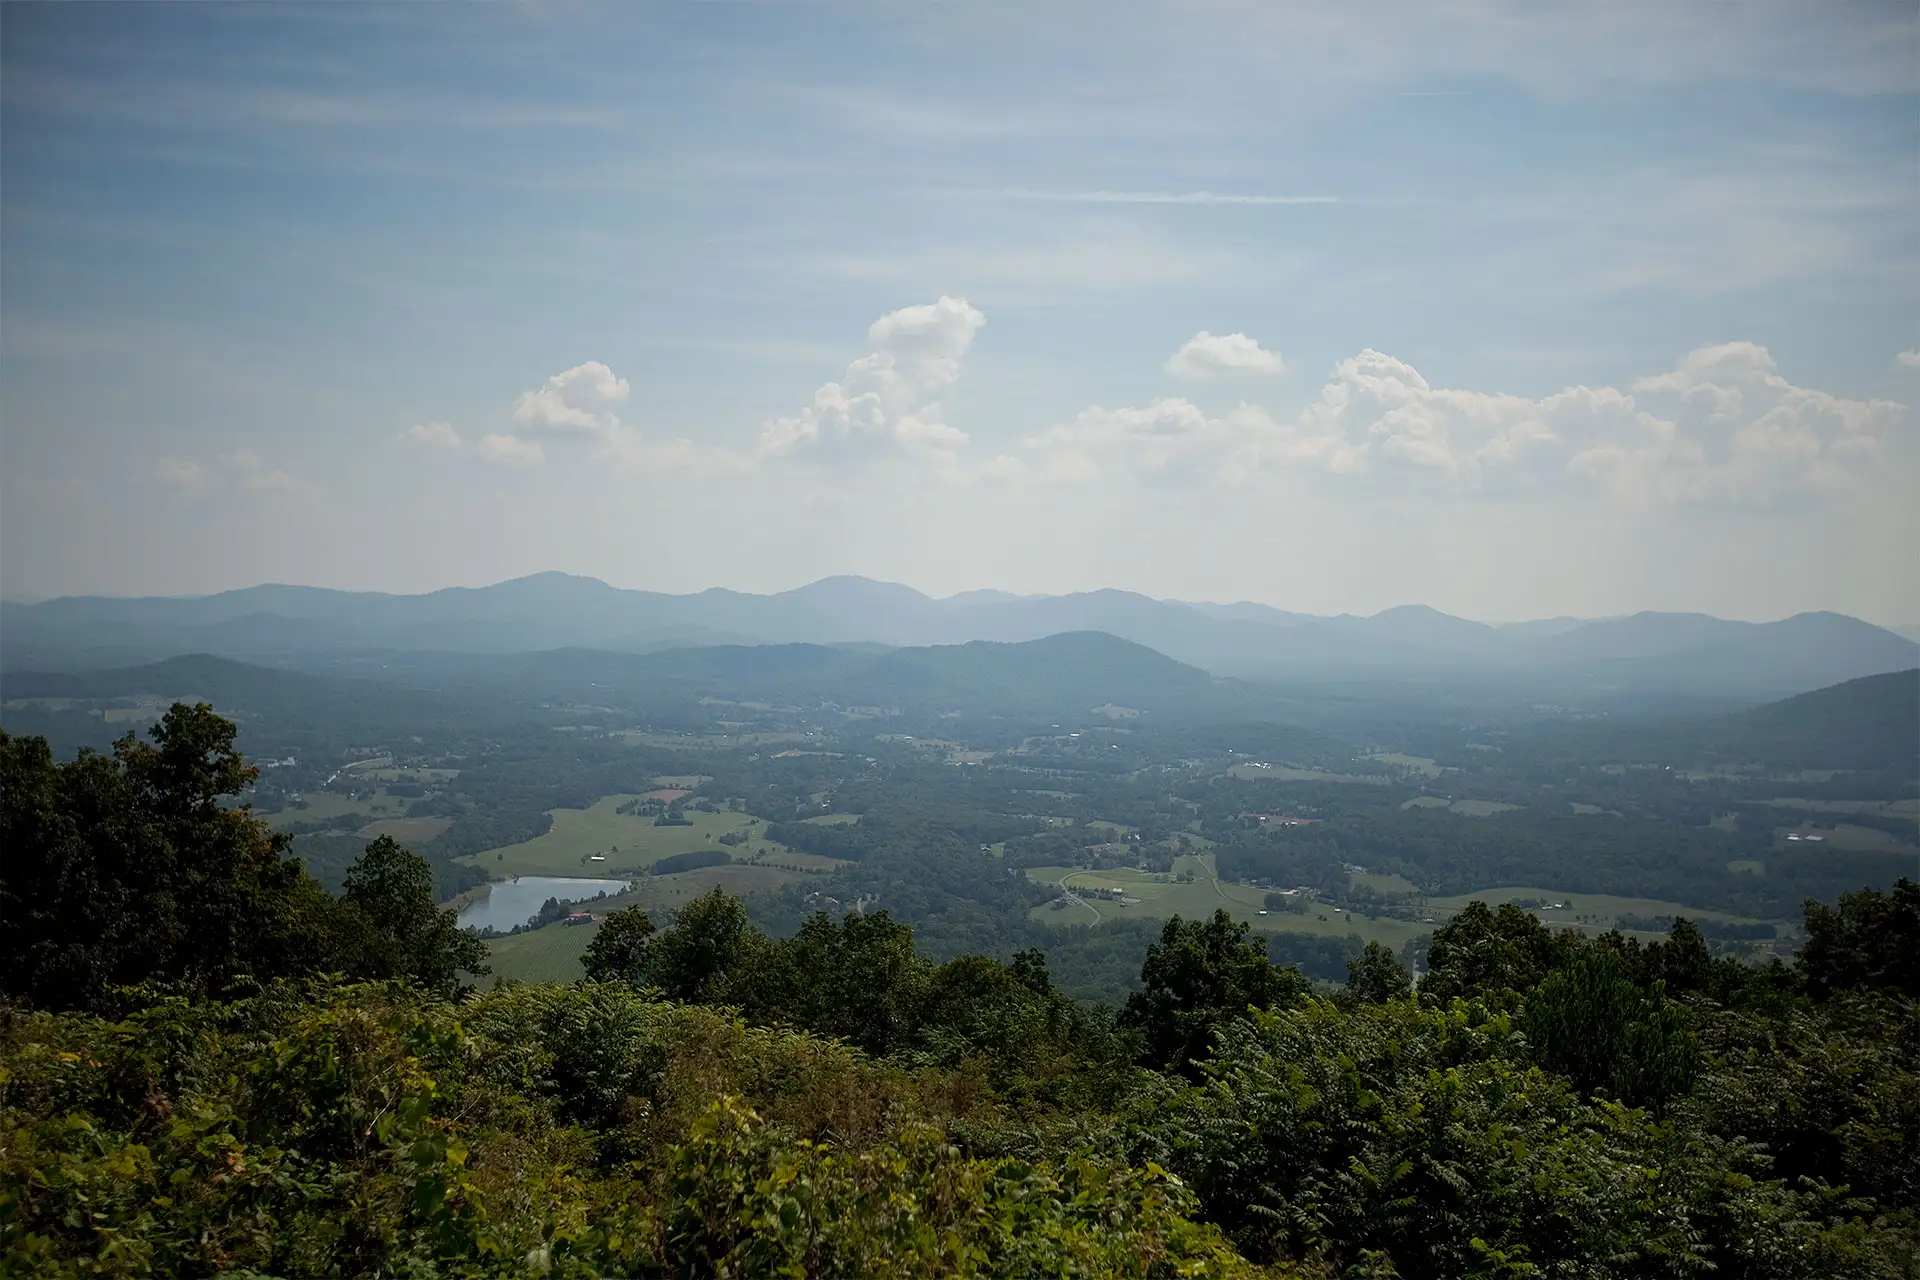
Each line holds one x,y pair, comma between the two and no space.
1509,312
1892,624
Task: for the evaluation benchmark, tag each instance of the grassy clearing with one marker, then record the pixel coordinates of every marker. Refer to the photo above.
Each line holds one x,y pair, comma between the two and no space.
628,842
329,806
1112,828
407,831
1480,808
833,819
1589,810
1412,764
1160,896
1594,912
1465,808
1388,885
551,954
1845,837
682,781
1287,773
422,775
703,741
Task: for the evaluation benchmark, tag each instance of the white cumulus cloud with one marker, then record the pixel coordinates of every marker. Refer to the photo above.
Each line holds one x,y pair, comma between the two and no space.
432,435
1909,358
1210,355
891,397
1723,427
509,451
178,473
580,400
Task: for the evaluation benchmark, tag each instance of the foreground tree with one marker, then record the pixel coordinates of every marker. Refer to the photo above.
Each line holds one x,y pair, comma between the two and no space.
1870,941
618,952
130,868
1377,976
1198,977
712,954
390,892
1492,953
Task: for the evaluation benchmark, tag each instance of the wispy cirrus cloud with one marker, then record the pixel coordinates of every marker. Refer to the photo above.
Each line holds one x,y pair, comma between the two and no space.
1164,197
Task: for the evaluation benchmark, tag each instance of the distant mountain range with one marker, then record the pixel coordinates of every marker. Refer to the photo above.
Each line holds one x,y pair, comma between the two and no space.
301,626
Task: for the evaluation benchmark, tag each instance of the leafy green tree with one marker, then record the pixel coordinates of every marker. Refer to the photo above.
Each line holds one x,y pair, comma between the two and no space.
407,935
858,979
1376,975
1870,940
711,954
129,868
618,952
1493,954
1591,1022
1197,977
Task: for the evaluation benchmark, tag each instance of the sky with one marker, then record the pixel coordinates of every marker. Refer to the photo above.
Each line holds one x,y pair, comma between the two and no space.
1516,310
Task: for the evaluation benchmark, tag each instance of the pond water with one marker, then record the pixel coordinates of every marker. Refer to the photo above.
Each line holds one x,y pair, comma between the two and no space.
513,902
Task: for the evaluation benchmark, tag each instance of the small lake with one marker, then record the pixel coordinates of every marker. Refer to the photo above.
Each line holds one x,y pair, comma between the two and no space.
513,902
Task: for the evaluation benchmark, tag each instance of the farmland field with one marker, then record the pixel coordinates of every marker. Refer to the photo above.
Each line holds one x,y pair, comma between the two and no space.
1160,896
1465,808
325,806
551,954
1413,764
1286,773
1388,885
628,842
1593,912
833,819
1481,808
407,831
1848,838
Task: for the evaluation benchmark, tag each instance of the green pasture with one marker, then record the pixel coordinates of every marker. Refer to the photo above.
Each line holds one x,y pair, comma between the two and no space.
629,842
1287,773
406,831
1412,764
1465,808
1844,837
833,819
1161,895
1595,912
1387,885
328,806
410,773
551,954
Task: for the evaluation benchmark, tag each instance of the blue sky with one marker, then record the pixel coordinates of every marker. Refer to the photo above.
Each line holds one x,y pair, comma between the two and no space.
1513,309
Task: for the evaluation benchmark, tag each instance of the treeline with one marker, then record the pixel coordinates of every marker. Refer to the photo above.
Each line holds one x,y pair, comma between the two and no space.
1450,854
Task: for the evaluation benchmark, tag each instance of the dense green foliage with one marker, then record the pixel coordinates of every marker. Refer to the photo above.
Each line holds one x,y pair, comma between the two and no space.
130,869
210,1066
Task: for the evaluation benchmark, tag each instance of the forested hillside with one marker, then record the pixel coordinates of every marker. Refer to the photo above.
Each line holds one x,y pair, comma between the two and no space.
211,1066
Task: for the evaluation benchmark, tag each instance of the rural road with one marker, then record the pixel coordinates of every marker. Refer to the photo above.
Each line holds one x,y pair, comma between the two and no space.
1068,890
